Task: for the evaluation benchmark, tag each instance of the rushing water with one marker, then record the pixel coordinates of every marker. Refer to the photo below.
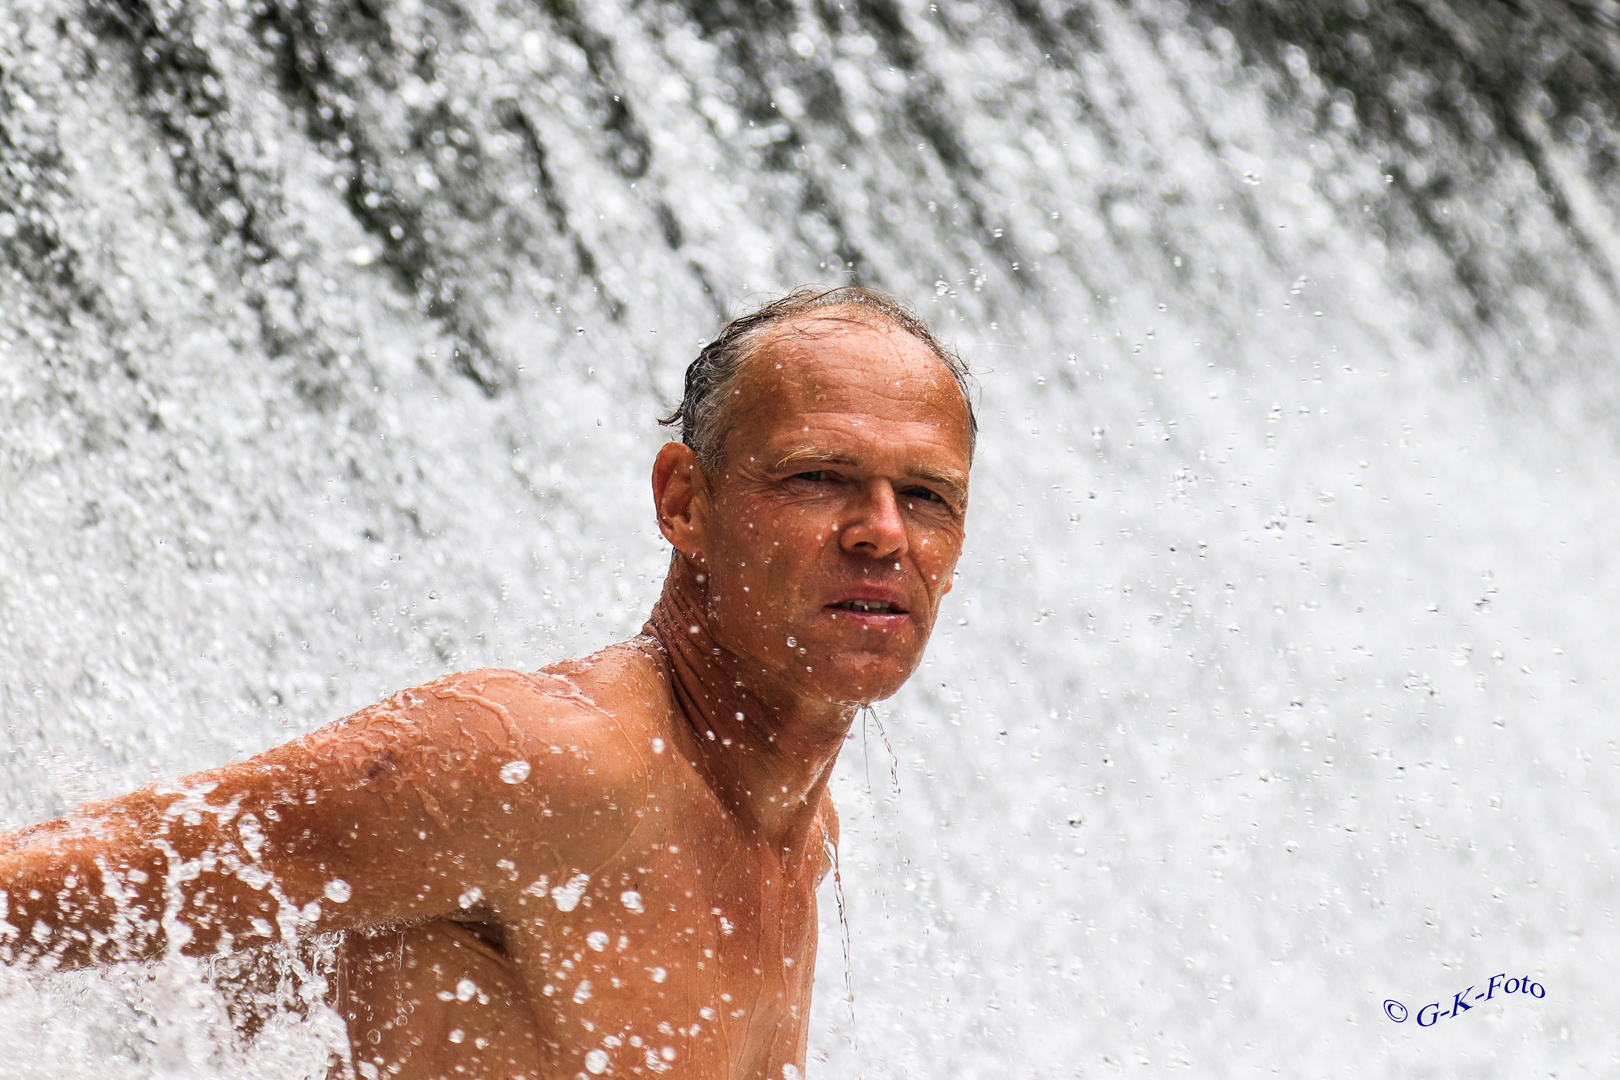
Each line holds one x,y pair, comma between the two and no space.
332,334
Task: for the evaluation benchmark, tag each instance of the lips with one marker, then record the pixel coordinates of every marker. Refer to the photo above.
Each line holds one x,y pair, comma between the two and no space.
869,607
869,603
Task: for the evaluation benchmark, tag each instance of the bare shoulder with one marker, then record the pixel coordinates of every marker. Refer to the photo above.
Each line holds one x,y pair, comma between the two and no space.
506,726
627,683
472,744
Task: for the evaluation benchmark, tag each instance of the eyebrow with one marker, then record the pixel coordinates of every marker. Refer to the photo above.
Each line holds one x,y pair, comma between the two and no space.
956,483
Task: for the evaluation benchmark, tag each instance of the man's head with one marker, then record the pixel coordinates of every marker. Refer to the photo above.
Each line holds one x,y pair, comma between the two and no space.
707,405
819,496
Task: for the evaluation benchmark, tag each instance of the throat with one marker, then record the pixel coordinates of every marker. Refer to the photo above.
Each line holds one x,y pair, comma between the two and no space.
766,754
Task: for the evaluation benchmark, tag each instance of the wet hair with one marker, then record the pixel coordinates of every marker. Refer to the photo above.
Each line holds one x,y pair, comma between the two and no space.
704,413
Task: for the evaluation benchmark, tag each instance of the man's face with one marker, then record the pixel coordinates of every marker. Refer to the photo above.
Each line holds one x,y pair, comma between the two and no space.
835,525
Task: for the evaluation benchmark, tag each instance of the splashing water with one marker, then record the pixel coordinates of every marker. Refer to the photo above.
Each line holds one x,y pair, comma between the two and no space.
1275,683
869,715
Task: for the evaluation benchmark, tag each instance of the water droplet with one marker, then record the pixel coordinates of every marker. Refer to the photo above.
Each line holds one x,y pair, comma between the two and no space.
466,990
597,940
457,1035
337,890
596,1062
568,896
515,772
658,746
632,900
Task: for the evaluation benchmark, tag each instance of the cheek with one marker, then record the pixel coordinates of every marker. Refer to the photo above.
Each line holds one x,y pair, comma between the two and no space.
788,548
936,558
756,580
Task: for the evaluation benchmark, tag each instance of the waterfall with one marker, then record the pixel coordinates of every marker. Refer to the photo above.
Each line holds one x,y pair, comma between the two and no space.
332,338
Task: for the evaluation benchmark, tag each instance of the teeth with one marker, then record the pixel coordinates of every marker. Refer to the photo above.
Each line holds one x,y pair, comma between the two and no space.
867,605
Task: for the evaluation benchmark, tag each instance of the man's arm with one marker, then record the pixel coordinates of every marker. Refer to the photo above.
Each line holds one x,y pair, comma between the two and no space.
412,809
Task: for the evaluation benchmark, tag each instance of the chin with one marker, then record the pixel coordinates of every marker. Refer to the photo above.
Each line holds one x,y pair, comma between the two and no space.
862,683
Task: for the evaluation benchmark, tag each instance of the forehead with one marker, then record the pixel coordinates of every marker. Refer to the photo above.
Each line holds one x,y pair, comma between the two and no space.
822,364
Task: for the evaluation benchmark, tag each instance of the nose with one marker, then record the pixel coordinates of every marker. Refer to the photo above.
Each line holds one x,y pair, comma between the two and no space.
875,527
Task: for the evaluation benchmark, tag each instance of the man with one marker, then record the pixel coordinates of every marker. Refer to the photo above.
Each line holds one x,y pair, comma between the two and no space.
608,867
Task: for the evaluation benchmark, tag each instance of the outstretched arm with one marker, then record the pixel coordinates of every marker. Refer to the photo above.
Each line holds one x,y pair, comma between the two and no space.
399,813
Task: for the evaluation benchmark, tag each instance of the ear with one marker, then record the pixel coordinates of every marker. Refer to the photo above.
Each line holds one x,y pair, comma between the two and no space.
680,491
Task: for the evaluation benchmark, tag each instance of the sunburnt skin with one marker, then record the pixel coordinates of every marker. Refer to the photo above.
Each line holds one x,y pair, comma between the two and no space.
605,868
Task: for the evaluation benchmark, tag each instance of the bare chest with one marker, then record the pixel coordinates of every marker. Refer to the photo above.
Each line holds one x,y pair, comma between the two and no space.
692,953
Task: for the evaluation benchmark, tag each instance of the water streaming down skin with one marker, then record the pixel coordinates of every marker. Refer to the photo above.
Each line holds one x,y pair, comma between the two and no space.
1274,683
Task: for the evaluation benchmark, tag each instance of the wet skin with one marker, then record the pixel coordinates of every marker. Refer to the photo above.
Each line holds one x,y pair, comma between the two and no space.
637,897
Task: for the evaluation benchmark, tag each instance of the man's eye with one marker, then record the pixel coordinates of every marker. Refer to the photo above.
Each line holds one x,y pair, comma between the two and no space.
924,494
814,475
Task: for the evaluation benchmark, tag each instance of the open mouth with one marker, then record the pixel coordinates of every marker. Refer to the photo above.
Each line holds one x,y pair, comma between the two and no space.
870,607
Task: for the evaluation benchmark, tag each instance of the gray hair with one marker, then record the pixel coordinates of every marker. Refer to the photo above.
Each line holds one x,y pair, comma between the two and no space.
704,412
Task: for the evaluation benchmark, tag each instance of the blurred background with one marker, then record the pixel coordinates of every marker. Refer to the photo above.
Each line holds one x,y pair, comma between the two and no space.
1277,681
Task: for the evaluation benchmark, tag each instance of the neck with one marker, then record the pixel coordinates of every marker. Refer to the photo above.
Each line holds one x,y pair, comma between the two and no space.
766,749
